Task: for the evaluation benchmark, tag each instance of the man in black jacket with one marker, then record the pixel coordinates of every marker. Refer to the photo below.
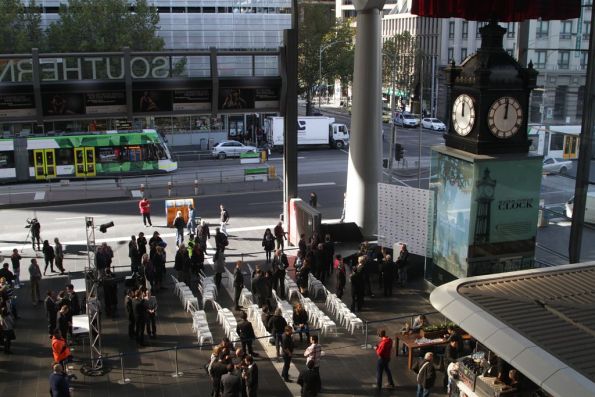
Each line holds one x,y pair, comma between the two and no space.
287,347
246,333
139,311
280,263
218,369
51,311
238,284
277,325
251,376
231,383
426,375
309,380
388,274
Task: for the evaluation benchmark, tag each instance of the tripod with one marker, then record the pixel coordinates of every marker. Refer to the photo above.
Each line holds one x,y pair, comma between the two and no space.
27,239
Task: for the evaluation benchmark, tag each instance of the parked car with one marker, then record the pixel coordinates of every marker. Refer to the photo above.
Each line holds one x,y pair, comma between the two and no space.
553,165
433,124
589,207
406,120
230,149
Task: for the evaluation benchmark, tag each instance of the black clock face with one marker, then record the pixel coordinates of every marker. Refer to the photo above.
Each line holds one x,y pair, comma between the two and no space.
505,117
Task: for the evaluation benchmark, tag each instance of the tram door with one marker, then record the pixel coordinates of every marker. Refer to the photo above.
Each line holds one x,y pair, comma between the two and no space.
44,162
570,147
84,161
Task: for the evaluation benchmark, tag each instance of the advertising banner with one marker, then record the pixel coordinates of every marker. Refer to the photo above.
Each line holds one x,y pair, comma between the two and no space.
236,98
105,102
17,105
151,101
452,180
63,104
192,100
511,197
266,98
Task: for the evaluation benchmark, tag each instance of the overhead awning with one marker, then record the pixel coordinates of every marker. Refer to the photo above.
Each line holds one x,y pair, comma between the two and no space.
541,321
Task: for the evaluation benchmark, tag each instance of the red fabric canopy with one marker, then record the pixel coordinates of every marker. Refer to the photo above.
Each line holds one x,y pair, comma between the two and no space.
499,10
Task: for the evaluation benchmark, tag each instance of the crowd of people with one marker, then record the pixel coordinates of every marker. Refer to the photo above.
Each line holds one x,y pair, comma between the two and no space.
232,373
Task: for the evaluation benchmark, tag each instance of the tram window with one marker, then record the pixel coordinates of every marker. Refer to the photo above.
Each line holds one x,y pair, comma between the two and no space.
109,155
6,159
557,142
65,156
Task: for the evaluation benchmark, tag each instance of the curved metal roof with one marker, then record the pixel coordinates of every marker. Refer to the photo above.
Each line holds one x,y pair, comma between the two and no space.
541,321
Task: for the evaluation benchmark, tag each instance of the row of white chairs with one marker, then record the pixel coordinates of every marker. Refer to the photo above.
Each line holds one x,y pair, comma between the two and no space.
200,326
286,308
208,290
246,298
185,294
318,319
227,319
343,314
315,287
291,288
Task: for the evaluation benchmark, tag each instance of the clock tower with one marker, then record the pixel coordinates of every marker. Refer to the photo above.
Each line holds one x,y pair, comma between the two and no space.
489,93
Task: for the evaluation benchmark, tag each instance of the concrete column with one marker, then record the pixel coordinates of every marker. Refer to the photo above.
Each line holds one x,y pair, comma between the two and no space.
365,147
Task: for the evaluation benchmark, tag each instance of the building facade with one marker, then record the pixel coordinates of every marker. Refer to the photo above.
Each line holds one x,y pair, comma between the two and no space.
557,49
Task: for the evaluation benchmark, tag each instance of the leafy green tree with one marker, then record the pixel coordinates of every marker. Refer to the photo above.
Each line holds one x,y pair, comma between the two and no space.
105,25
315,22
20,27
400,56
340,53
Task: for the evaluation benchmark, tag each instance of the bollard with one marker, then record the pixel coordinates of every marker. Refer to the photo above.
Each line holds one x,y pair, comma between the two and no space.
196,187
142,189
365,345
169,185
124,379
177,374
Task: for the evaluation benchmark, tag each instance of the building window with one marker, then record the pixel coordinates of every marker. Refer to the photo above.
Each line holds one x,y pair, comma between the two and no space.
451,29
451,54
479,26
543,29
465,29
563,59
584,59
580,98
587,2
463,54
560,102
586,30
541,59
566,30
511,30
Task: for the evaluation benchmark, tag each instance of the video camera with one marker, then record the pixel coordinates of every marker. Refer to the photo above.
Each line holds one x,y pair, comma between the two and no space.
31,222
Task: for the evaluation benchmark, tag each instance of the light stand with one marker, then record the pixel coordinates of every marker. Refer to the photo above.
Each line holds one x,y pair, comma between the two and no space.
92,282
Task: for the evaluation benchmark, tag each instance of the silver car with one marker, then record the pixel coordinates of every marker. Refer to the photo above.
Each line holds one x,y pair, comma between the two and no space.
230,149
553,165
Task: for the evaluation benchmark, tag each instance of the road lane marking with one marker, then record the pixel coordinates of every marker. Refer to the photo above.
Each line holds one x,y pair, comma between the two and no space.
78,217
267,202
281,158
317,184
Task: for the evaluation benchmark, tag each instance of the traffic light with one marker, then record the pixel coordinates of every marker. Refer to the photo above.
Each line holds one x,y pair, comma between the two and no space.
398,151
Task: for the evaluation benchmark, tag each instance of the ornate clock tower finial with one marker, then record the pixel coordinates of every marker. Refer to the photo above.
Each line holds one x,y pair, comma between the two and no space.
490,99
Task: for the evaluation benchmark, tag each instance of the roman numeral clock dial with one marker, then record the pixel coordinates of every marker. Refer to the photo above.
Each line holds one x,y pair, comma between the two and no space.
505,117
463,115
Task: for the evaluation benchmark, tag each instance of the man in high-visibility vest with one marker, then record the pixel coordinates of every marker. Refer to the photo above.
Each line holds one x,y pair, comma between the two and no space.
60,349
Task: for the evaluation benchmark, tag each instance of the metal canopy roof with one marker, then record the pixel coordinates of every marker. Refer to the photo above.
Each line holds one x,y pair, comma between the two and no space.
541,321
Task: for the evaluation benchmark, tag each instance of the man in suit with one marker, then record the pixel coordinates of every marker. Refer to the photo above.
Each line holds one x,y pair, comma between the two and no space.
51,311
59,383
231,382
246,333
251,377
309,380
238,284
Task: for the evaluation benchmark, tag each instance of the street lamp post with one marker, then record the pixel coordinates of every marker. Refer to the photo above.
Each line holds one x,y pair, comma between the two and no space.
323,47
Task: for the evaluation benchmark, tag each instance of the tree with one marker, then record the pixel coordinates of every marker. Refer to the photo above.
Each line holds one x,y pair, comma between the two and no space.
400,55
105,25
340,53
315,22
20,27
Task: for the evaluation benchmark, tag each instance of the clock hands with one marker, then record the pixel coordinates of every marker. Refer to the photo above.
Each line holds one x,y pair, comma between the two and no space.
506,110
463,110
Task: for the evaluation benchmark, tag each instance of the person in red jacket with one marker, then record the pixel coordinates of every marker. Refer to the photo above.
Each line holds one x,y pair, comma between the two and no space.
383,351
145,209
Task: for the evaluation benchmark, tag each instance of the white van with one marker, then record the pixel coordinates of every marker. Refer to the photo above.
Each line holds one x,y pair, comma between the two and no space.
589,208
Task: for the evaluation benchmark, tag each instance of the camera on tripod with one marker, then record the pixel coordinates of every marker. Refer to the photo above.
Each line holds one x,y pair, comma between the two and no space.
31,222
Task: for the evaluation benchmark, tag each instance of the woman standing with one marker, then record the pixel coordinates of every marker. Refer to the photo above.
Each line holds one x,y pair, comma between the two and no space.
48,256
268,242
